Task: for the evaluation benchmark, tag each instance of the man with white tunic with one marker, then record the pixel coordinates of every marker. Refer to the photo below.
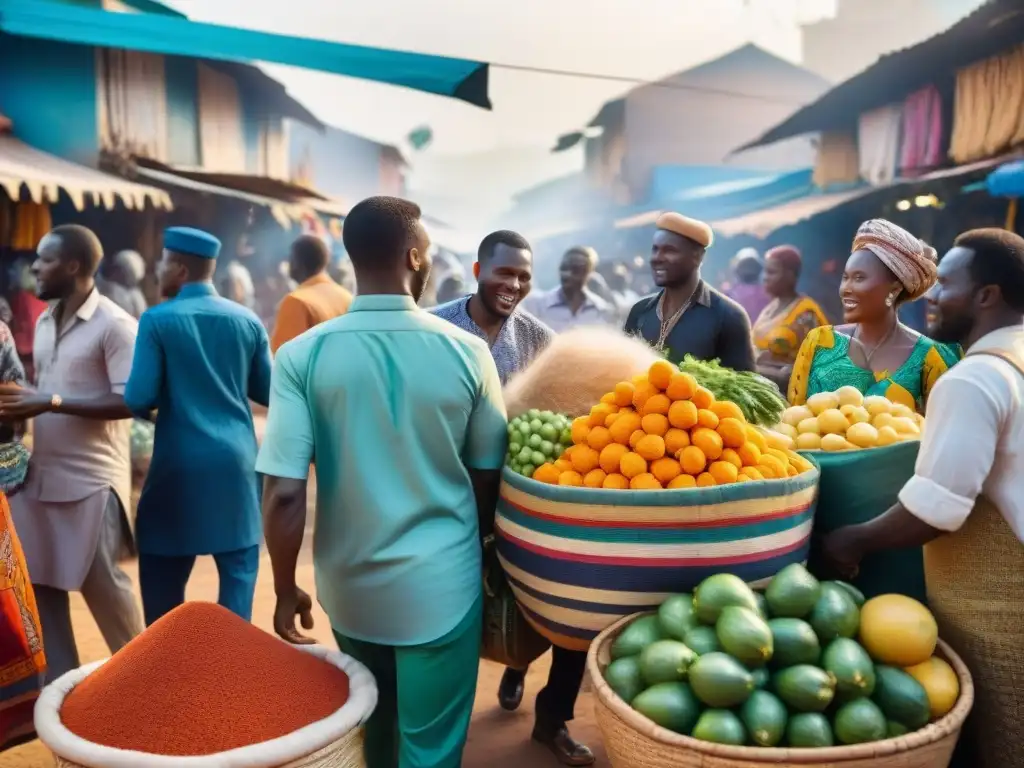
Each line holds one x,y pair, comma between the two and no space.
70,515
964,502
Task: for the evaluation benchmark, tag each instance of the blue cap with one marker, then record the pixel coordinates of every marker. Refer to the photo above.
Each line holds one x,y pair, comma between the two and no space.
191,241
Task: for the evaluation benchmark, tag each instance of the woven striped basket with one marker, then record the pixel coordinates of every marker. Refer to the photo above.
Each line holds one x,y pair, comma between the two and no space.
579,559
334,742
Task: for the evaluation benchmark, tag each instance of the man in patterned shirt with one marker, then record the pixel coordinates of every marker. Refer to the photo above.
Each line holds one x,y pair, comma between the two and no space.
504,272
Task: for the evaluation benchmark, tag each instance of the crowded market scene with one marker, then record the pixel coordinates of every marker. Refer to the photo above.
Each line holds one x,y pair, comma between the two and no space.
673,423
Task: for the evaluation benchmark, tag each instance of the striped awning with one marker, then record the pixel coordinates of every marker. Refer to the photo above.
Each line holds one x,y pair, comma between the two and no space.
45,176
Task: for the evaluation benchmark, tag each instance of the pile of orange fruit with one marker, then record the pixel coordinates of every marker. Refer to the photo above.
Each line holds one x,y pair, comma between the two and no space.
664,430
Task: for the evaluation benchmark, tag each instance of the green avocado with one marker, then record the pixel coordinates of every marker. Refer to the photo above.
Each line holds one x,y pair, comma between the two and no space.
718,591
793,592
852,668
805,688
624,677
859,721
901,697
834,615
670,705
765,718
665,661
720,726
676,616
761,677
852,591
743,634
795,642
808,730
720,681
637,636
702,640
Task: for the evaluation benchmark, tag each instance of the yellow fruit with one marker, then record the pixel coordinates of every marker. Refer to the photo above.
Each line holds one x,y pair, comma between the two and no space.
546,473
654,424
792,471
822,402
723,472
658,403
595,478
862,435
786,429
692,460
616,481
832,422
855,414
707,418
767,472
808,441
876,404
660,373
650,447
773,463
705,480
682,414
849,396
899,409
732,457
580,430
666,470
726,409
904,425
709,441
753,473
624,426
754,436
808,427
584,459
702,397
624,393
676,440
886,436
777,441
611,456
683,481
570,478
897,630
645,482
749,454
681,387
940,683
598,438
795,414
632,464
600,412
799,462
834,442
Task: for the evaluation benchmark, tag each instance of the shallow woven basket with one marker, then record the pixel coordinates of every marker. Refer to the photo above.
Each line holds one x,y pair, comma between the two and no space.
334,742
633,741
579,559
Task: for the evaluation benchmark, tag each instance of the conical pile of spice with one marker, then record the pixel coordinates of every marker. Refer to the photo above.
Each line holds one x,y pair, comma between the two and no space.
201,681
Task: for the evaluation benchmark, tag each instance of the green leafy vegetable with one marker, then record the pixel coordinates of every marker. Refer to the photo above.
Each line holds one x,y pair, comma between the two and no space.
758,398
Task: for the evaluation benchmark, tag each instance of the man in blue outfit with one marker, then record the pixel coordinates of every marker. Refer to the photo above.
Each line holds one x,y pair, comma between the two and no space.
199,360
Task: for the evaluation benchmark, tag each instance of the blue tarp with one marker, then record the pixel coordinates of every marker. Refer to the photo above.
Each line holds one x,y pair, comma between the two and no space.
1007,180
458,78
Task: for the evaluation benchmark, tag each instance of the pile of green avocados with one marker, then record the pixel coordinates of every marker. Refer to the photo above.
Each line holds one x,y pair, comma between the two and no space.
733,666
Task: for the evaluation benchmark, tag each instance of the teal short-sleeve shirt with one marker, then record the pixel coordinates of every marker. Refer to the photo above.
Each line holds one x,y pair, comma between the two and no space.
393,406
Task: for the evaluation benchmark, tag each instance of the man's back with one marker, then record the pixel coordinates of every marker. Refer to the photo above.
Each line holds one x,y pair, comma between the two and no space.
315,301
395,405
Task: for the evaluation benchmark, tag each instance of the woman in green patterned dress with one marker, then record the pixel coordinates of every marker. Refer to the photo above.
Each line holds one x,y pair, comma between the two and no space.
873,351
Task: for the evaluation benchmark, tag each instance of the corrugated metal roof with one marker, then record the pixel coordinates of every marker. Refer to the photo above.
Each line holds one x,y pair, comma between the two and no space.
45,176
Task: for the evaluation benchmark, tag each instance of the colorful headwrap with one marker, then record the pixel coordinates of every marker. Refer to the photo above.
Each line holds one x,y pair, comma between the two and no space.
787,255
911,260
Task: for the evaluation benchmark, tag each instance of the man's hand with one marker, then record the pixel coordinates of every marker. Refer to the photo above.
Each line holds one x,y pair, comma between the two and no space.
297,603
841,552
20,403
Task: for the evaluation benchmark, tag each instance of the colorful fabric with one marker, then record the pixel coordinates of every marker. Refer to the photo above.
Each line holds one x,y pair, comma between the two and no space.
316,301
750,296
779,334
823,364
922,130
912,261
22,661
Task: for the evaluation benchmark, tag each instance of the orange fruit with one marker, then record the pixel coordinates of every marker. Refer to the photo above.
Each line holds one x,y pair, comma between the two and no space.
683,481
676,440
650,447
753,473
598,438
570,478
726,409
692,460
682,414
767,473
636,437
660,374
563,464
723,472
666,470
641,393
658,403
580,429
610,457
625,425
609,398
600,412
702,397
705,480
595,478
654,424
617,481
733,432
584,459
640,379
645,482
732,457
749,454
632,464
709,441
754,436
742,478
707,418
546,473
681,387
611,419
624,393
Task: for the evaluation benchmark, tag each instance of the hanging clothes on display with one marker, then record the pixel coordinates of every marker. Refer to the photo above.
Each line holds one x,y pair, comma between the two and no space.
922,131
838,161
878,144
988,116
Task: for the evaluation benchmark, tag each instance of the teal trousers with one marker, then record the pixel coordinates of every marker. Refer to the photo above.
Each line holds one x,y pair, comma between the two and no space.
425,698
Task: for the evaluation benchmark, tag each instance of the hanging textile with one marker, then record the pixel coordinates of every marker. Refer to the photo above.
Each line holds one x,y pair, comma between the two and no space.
878,143
988,116
922,130
31,222
838,161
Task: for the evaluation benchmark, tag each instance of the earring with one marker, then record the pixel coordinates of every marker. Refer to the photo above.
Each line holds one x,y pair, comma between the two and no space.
889,301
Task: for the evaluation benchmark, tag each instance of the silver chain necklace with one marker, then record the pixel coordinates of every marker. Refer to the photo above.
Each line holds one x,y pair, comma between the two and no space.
869,355
670,323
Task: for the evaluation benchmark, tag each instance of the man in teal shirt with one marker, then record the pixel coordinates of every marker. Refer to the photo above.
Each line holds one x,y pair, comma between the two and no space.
401,412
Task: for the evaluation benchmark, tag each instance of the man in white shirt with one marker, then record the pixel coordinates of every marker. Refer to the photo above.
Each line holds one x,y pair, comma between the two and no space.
964,502
572,303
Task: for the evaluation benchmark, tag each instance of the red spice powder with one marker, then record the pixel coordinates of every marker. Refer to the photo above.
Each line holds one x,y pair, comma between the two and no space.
202,680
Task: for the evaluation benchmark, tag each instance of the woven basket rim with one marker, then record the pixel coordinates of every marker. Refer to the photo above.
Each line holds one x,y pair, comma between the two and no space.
294,746
908,446
666,497
931,733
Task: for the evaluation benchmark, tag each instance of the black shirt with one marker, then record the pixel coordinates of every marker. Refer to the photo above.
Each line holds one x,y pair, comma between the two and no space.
714,326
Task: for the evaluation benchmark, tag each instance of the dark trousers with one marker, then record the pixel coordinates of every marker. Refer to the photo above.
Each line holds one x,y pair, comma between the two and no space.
556,703
162,581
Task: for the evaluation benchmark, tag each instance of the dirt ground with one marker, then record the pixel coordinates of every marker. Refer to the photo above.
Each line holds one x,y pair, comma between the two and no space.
497,739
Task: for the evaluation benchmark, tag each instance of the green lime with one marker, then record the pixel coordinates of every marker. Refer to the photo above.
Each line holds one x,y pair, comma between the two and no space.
538,458
547,448
535,425
514,447
516,467
527,470
546,416
548,432
535,441
566,436
525,455
559,450
533,413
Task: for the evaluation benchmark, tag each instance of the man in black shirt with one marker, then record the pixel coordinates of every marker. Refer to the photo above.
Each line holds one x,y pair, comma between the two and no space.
688,316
